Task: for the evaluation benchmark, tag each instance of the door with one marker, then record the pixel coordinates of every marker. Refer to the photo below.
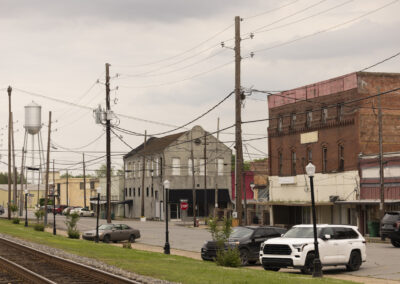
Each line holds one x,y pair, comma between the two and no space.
117,234
342,238
328,247
259,236
175,211
125,232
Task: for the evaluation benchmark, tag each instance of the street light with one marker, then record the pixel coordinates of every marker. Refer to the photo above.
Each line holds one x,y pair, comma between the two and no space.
166,246
98,214
26,207
54,211
310,169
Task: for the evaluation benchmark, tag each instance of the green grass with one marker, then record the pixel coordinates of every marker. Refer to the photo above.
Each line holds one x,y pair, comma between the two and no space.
167,267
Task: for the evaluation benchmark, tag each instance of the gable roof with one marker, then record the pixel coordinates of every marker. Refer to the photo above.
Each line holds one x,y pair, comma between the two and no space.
154,145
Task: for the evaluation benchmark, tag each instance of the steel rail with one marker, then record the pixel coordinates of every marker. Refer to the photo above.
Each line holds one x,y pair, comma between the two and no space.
73,267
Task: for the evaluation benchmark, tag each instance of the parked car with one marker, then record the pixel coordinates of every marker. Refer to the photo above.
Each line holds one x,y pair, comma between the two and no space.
58,209
338,245
1,210
247,239
83,212
67,210
114,233
391,227
49,208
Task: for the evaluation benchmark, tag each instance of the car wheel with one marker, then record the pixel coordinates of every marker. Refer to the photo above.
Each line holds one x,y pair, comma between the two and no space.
271,268
81,214
132,238
252,262
244,257
395,243
308,267
106,239
354,261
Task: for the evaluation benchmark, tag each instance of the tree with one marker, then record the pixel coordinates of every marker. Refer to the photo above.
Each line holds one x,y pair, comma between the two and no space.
246,164
4,178
102,171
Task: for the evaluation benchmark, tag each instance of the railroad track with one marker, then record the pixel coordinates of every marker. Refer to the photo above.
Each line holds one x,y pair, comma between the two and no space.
22,264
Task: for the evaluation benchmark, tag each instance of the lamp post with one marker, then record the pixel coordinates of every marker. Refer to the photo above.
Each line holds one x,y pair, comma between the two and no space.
252,185
26,207
98,214
310,169
166,246
54,211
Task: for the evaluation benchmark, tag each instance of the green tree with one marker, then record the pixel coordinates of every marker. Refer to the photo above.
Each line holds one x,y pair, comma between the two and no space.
102,171
246,164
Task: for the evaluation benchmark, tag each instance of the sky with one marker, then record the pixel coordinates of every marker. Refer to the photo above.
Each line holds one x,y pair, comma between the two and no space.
168,66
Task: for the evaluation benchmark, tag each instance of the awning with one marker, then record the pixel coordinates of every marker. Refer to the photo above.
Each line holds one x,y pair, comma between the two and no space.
367,201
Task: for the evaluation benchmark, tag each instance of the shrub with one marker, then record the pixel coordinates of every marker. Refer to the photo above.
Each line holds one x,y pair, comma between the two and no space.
39,215
127,245
73,234
229,257
15,220
13,209
38,227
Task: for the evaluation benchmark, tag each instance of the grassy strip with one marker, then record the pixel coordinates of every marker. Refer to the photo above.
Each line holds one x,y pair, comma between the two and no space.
167,267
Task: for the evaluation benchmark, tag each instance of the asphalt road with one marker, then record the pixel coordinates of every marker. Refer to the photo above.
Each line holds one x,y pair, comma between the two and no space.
382,259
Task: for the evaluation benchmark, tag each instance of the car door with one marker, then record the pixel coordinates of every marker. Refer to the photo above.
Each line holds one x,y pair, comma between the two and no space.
118,233
125,232
342,239
259,236
328,246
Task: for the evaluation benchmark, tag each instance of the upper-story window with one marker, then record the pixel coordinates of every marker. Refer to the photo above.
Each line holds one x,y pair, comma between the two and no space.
157,161
324,114
191,167
292,121
324,159
341,158
280,123
308,118
220,167
176,166
202,167
340,112
128,174
293,163
280,160
139,169
309,155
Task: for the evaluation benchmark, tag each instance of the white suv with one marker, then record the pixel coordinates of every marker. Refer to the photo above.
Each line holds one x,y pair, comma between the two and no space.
338,245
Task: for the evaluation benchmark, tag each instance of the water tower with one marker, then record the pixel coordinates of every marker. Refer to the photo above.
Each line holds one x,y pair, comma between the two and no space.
33,125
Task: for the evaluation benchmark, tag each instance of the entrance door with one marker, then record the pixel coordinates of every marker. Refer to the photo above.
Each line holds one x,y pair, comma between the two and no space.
175,211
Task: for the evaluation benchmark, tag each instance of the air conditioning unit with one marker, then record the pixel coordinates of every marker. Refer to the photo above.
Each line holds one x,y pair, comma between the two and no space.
333,198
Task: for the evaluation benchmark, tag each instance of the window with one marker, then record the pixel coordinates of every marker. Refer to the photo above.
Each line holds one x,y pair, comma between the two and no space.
81,185
130,191
190,167
309,155
128,174
220,167
324,114
324,159
293,163
126,191
138,191
139,167
133,174
280,123
148,168
92,185
134,191
308,118
280,163
340,112
161,166
202,166
341,158
152,191
292,121
176,164
156,195
147,191
157,164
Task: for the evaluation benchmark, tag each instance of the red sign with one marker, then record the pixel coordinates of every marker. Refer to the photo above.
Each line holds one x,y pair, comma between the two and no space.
184,205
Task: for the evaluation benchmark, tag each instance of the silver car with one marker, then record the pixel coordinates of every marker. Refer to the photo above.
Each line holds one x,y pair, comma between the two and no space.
114,233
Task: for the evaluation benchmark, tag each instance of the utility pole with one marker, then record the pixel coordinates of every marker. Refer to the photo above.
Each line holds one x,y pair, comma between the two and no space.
84,181
9,90
54,188
193,186
205,175
108,142
216,171
381,172
46,189
143,174
21,192
13,162
238,120
67,190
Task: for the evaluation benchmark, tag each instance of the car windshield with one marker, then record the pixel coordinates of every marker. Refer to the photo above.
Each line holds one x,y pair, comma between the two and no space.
301,232
105,227
391,217
241,232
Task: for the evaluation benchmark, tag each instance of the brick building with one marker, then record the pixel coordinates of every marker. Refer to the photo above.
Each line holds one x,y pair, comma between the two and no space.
329,123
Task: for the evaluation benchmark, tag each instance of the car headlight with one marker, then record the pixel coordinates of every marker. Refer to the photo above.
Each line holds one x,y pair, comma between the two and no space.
262,246
299,247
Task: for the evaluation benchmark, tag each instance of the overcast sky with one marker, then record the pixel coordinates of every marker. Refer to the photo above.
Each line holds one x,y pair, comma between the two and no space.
168,64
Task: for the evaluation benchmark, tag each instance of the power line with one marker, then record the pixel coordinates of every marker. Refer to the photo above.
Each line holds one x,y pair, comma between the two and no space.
382,61
270,11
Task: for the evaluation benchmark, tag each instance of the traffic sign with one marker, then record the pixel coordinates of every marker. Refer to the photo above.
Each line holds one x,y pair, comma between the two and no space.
184,205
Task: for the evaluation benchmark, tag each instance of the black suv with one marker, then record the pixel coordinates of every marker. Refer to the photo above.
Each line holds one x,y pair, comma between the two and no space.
1,210
247,239
391,227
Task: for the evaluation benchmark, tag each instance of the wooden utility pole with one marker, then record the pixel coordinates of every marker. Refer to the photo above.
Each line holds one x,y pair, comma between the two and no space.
216,171
108,142
15,198
46,189
381,172
205,175
143,174
67,190
238,120
84,181
193,185
9,90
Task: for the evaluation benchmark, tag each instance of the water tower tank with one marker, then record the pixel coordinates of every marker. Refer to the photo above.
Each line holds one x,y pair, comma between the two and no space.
33,118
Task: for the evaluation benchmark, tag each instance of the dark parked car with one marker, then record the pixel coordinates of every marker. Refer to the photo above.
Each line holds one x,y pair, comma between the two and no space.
391,227
1,210
114,233
247,239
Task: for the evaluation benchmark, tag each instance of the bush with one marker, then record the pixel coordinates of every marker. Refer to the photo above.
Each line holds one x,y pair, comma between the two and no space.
15,221
39,215
229,257
38,227
73,234
14,209
127,245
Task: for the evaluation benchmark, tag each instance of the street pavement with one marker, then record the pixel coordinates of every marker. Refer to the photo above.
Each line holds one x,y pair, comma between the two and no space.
382,258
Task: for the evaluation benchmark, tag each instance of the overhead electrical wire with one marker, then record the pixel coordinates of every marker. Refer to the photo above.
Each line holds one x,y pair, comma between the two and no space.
270,11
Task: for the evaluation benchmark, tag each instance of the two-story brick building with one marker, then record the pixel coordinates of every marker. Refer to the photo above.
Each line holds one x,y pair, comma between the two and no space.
329,123
169,158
